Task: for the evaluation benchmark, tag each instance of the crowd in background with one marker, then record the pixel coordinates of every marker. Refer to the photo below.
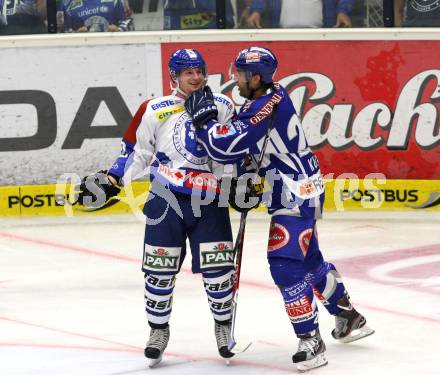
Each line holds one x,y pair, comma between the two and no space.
29,16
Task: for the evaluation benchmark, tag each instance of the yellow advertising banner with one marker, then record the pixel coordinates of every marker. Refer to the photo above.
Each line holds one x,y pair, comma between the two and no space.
372,194
341,194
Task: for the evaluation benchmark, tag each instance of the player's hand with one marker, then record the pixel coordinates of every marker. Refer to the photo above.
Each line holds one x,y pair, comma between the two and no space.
96,189
254,21
201,107
113,28
343,20
244,194
82,29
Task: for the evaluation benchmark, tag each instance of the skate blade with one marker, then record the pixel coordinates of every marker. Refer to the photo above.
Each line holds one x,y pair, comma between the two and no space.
357,334
319,361
153,362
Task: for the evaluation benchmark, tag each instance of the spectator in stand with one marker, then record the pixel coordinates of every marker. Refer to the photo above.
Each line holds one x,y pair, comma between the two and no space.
194,14
22,17
417,14
2,14
300,13
95,15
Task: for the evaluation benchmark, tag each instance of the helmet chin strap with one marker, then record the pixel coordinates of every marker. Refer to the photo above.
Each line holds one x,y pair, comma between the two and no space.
177,90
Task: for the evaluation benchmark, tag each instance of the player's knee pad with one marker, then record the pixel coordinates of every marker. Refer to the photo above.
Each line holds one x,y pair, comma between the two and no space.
320,272
286,272
327,285
158,297
218,286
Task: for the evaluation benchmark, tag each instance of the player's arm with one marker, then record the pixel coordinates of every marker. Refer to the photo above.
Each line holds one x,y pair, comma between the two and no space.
138,163
67,18
98,188
399,6
129,139
231,141
344,8
123,23
225,141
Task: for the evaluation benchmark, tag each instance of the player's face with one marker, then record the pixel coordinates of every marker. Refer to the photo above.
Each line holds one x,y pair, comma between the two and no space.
243,83
191,80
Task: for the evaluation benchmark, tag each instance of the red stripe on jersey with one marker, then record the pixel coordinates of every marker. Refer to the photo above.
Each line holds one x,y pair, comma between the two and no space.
130,133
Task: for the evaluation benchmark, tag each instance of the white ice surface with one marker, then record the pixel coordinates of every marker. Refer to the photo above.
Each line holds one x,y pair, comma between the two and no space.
71,300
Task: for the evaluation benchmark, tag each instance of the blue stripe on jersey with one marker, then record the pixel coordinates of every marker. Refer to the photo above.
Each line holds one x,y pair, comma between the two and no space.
158,292
155,313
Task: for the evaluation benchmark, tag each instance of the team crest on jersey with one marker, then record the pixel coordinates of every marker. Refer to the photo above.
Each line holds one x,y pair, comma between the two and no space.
185,141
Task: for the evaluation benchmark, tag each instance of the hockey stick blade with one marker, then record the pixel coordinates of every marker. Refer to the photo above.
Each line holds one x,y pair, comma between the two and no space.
237,349
232,344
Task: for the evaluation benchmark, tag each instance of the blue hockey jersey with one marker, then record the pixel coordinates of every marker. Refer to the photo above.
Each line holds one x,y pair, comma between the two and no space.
96,15
290,168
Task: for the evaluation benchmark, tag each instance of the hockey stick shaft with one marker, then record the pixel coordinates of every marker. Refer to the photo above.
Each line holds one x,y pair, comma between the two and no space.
238,247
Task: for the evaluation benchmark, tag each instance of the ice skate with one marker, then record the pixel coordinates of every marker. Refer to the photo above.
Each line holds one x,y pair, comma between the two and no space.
156,345
221,335
311,352
350,325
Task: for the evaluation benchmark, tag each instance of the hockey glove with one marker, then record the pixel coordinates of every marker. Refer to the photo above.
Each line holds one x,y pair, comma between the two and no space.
96,189
201,107
244,198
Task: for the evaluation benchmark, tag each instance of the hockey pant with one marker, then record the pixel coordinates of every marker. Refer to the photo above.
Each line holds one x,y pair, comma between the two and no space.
210,239
300,272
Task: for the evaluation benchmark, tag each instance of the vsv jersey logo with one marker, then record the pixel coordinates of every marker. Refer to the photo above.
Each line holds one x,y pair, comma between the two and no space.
185,141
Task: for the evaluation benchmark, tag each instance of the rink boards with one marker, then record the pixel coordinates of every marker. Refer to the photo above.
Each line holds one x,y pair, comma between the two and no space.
348,194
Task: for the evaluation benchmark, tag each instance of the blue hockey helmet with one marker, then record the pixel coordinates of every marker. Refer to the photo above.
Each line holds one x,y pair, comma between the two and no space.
186,59
257,60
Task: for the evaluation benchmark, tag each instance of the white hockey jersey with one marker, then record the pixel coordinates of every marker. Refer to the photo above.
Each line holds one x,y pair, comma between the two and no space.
160,143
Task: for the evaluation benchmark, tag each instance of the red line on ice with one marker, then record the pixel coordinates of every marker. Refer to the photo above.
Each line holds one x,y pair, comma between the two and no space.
104,254
126,347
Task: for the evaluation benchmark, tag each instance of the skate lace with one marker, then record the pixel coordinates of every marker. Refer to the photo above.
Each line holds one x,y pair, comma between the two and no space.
159,339
340,324
309,345
221,335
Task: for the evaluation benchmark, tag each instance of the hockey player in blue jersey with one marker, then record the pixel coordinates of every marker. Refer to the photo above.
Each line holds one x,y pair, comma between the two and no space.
160,141
294,197
94,16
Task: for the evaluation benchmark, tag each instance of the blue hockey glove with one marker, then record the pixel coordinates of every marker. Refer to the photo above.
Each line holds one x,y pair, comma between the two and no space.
95,190
201,107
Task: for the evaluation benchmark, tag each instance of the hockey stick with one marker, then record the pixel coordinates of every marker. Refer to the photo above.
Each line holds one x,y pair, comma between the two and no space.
238,249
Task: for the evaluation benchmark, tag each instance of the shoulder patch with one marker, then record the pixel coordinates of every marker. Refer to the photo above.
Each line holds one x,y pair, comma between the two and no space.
223,130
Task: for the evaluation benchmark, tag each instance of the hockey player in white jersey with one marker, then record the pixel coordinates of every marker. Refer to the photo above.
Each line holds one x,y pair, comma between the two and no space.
294,198
161,141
